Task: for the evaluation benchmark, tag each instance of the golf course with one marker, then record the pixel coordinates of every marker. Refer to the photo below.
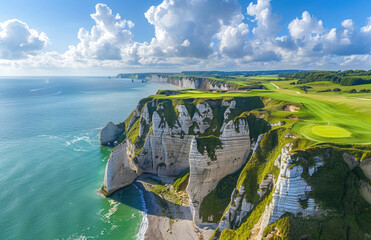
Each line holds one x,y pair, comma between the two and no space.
342,118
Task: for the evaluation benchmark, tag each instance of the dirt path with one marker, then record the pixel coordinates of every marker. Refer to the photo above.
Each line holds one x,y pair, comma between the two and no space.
275,85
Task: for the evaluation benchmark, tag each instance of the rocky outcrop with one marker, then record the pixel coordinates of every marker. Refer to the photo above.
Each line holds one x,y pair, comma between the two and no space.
266,185
118,172
109,134
238,210
365,164
202,117
290,190
205,173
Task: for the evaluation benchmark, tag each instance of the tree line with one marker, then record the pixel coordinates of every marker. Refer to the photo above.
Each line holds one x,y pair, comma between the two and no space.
344,78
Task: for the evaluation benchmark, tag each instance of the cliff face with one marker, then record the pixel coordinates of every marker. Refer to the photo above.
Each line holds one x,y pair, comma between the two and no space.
118,172
166,137
191,82
206,172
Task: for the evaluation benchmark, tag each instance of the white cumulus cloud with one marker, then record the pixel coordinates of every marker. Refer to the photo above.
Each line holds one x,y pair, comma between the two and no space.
18,40
267,21
107,39
185,28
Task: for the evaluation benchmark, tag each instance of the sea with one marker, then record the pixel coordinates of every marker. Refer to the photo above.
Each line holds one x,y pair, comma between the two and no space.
51,162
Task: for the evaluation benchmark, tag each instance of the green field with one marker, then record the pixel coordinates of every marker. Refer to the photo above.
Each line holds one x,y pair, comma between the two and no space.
330,131
317,87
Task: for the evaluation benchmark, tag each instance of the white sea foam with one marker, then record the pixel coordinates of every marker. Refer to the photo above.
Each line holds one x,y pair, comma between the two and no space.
77,139
77,236
35,90
144,225
57,93
79,150
106,217
48,136
83,138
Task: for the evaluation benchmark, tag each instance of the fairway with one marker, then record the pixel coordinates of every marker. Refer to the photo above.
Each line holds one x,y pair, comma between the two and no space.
330,131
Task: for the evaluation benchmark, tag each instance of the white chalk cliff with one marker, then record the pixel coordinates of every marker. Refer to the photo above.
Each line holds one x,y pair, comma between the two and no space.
206,173
190,82
169,150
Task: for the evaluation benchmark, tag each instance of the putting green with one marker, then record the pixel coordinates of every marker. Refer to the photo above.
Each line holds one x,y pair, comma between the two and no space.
330,131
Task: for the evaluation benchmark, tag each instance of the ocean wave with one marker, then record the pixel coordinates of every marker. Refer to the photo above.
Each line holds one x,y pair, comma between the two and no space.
57,93
36,89
83,138
77,139
77,236
106,217
144,225
48,136
79,150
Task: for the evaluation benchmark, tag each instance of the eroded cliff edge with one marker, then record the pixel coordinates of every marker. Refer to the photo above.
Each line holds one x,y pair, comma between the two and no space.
243,169
166,136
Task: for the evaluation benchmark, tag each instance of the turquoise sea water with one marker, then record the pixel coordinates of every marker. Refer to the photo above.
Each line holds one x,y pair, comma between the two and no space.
51,163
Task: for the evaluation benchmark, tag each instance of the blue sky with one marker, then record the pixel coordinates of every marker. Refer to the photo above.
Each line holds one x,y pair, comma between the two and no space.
175,35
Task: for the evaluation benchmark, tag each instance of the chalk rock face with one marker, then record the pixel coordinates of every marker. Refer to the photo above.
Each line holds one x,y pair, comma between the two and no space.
136,115
184,120
231,105
365,191
238,209
166,150
266,185
118,172
109,134
145,119
365,165
290,189
203,117
206,173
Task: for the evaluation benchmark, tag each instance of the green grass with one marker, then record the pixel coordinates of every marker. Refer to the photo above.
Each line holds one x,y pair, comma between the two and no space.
330,131
264,77
164,191
217,200
181,182
317,87
208,144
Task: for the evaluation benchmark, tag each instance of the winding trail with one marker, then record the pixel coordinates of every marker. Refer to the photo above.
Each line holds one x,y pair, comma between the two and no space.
275,85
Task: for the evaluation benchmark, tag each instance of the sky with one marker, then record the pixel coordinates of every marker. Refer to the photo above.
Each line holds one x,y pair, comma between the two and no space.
89,37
